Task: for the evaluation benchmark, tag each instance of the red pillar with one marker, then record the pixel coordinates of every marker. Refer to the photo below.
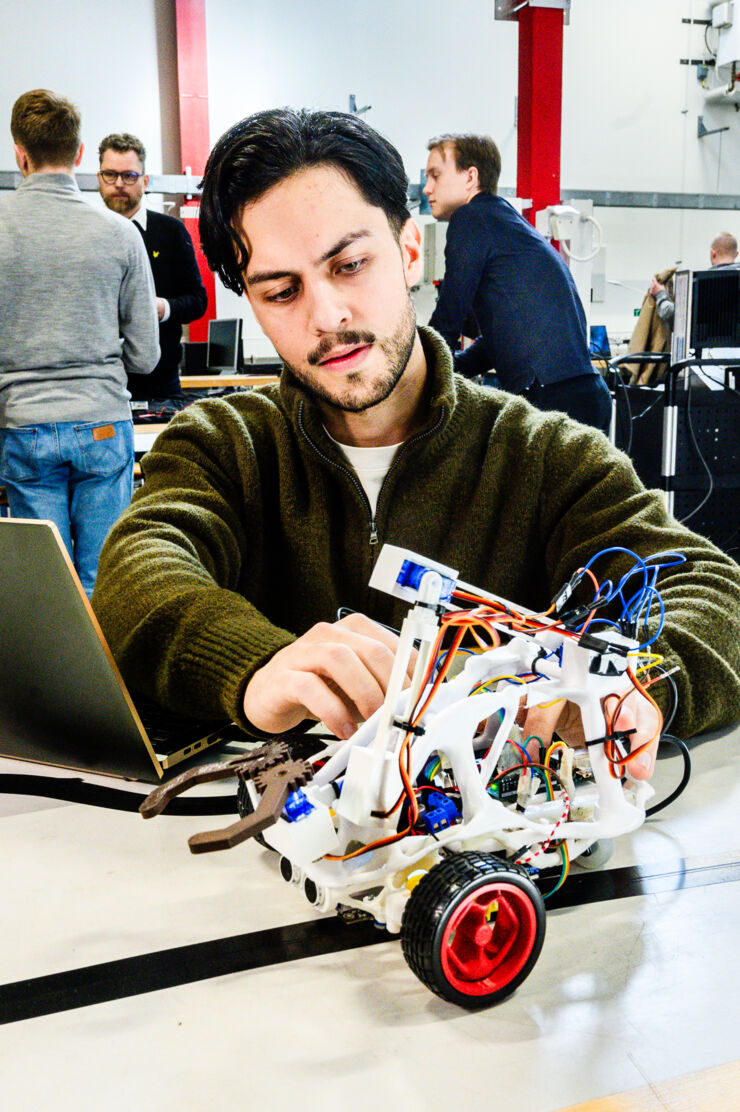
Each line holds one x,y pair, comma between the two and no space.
195,144
540,106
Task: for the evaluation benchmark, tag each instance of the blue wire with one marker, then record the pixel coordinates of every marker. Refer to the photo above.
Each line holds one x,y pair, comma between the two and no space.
636,610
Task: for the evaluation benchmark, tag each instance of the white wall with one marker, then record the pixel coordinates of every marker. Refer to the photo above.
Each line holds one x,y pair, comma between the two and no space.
115,61
629,109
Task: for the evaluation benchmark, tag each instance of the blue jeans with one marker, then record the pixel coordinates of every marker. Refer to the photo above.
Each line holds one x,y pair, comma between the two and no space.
80,476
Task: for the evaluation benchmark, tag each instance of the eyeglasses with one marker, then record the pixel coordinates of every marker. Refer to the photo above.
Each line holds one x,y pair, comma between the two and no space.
128,177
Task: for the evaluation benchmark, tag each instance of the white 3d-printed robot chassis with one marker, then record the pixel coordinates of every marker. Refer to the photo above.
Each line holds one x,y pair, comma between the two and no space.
430,818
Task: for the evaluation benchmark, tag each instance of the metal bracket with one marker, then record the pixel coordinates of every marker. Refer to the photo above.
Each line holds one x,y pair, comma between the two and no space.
353,106
702,131
509,9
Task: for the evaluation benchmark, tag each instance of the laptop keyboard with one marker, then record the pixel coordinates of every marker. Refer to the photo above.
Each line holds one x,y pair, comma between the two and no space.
169,732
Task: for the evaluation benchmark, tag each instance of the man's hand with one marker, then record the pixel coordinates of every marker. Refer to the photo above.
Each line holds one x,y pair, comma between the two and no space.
336,673
656,287
635,713
161,307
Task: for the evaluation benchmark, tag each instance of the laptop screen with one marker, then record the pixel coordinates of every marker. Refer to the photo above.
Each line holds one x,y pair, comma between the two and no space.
62,699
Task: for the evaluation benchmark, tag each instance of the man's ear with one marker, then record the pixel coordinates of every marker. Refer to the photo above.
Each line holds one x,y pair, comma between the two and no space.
80,153
22,161
473,179
411,252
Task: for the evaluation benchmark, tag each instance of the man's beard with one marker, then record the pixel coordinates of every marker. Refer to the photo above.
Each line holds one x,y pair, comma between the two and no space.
122,205
396,348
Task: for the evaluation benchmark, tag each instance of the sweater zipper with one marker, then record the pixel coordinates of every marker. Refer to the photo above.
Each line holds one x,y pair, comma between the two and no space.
374,540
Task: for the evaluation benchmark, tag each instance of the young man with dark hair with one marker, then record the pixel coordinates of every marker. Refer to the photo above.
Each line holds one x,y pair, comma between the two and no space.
76,313
181,295
263,513
531,324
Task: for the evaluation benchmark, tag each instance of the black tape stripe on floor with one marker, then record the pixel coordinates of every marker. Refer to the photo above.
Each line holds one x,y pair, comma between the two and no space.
71,790
114,980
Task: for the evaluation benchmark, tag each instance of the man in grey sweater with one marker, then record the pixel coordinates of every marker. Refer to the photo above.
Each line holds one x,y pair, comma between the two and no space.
77,311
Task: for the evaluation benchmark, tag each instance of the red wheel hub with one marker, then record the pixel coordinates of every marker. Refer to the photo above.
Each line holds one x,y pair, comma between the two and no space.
488,938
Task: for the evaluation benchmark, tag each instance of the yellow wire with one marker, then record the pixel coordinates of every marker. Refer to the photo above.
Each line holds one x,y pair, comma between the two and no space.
553,748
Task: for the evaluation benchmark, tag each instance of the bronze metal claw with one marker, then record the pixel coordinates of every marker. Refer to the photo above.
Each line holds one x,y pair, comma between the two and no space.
275,773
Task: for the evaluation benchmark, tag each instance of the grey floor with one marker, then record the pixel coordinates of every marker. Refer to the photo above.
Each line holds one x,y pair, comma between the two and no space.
627,992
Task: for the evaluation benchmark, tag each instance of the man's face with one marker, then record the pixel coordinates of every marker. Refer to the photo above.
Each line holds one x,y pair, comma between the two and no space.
329,285
446,187
119,196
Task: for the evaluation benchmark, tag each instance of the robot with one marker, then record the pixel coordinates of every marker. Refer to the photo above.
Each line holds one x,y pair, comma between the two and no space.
433,819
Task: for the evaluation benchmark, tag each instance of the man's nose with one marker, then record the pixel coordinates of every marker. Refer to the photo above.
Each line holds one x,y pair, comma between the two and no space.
328,309
427,187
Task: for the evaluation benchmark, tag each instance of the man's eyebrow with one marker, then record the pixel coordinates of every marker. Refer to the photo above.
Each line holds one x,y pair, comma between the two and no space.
345,241
338,247
268,276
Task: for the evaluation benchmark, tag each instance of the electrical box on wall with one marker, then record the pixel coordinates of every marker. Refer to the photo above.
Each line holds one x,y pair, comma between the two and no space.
728,44
722,15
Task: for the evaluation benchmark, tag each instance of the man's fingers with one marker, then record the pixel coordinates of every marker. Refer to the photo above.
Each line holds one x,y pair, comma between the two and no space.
374,638
337,672
324,703
644,721
322,679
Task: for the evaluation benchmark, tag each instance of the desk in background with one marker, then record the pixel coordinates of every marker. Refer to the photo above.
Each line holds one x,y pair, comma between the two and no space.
145,435
205,382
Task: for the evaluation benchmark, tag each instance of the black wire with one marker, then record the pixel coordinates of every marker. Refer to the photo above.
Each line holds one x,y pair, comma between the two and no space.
725,385
683,749
648,408
704,463
619,381
706,44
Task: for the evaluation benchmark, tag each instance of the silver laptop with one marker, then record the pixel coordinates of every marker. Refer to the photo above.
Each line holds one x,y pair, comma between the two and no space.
62,699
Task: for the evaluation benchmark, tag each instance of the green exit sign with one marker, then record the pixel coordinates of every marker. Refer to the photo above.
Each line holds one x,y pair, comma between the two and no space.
635,312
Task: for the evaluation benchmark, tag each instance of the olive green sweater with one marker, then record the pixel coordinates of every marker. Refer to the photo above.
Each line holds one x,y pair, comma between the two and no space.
251,527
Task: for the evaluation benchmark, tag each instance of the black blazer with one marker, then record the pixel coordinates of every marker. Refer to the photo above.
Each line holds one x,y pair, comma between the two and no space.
177,278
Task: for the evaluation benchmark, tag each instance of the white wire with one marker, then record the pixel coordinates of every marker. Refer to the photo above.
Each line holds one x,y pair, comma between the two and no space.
597,248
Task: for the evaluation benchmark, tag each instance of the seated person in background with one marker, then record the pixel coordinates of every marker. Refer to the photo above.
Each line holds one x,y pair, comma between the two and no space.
722,253
497,266
263,512
181,295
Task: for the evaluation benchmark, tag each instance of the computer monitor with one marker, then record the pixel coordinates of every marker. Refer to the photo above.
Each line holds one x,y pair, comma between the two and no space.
599,342
224,346
715,308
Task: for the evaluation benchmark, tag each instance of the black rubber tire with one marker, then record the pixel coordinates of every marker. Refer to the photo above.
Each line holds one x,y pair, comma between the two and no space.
441,899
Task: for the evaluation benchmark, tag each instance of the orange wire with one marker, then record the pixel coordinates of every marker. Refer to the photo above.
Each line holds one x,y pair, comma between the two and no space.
617,762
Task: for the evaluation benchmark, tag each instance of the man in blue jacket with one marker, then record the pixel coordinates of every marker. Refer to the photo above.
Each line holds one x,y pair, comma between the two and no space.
530,321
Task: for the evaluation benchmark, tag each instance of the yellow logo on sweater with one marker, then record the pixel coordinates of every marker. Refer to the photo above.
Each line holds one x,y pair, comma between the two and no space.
155,254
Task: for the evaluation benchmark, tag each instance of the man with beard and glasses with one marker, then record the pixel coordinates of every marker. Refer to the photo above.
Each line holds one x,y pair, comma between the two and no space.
181,295
263,513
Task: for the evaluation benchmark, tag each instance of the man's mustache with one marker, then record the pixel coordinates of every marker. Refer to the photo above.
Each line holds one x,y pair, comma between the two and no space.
338,339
